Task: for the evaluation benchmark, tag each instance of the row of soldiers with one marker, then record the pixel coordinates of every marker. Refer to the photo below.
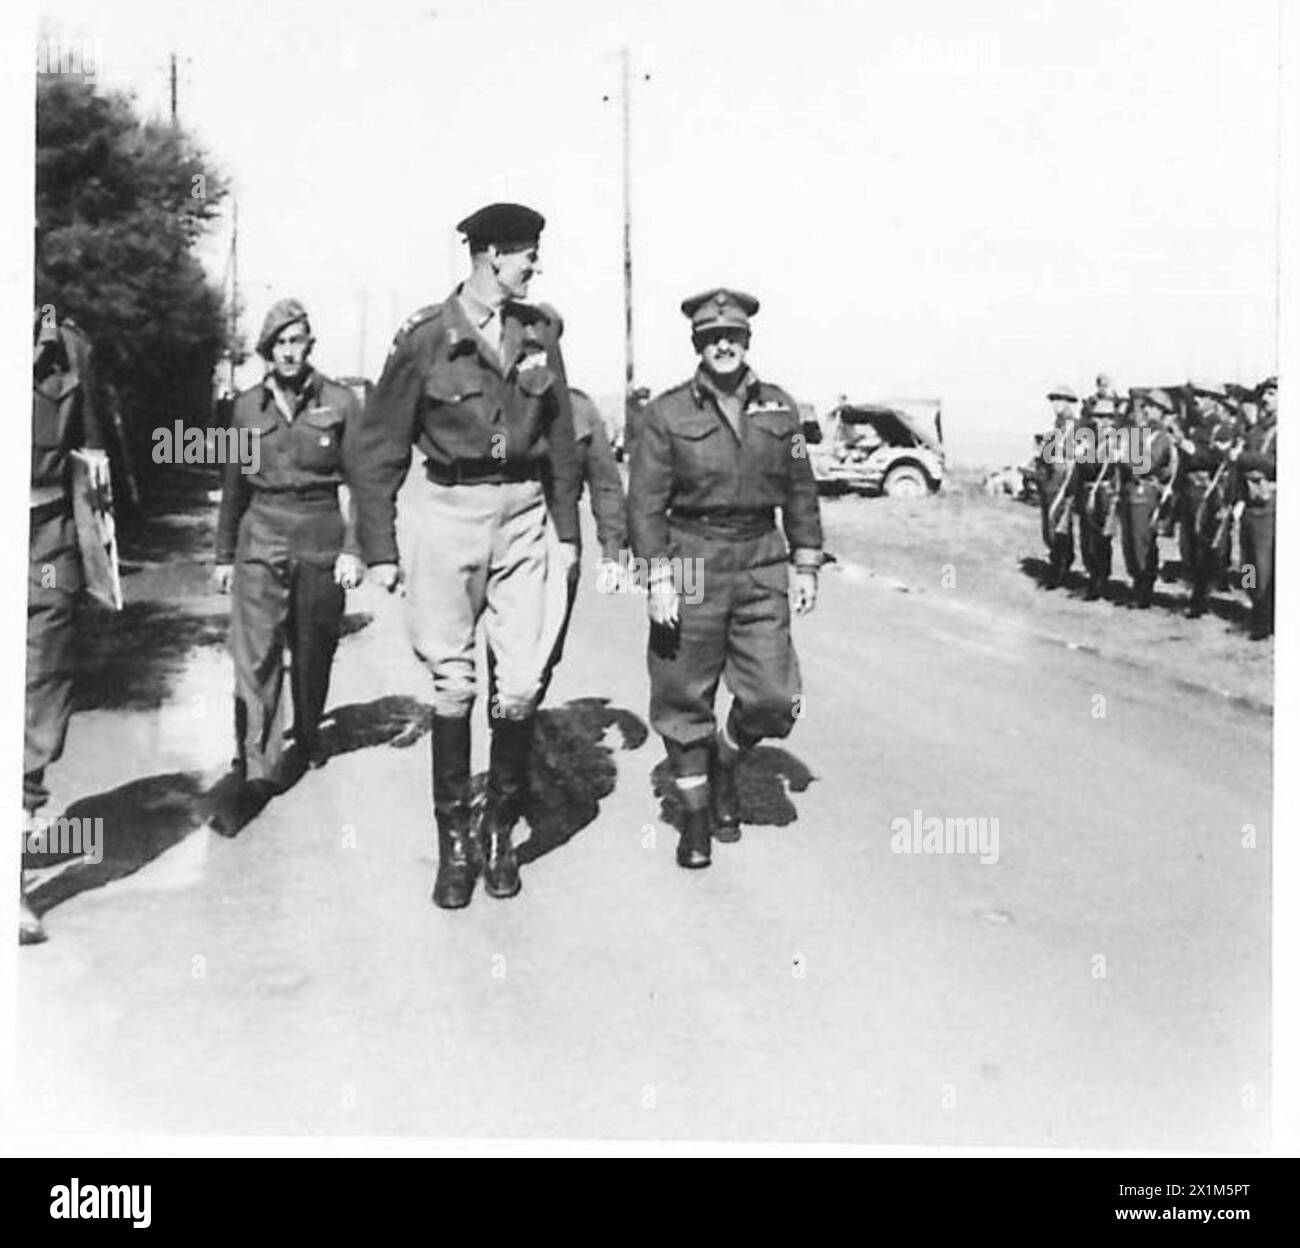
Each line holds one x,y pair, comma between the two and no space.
1199,457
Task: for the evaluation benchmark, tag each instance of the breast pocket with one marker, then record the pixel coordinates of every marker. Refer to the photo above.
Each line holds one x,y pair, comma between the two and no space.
699,456
318,446
453,409
774,446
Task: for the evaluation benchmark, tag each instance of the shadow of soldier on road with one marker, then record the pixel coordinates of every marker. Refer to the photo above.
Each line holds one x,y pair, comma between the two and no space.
141,820
573,770
393,720
764,781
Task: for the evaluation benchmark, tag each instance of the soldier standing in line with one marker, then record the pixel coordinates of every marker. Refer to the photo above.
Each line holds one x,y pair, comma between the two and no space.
714,459
1143,480
1057,479
1095,489
477,383
1204,464
1257,466
65,417
286,550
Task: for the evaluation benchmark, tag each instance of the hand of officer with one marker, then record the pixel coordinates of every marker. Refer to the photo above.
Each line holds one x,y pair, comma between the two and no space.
664,604
348,571
386,575
222,574
805,592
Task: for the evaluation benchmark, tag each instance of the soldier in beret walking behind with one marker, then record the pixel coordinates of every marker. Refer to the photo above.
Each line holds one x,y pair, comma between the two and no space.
285,549
715,458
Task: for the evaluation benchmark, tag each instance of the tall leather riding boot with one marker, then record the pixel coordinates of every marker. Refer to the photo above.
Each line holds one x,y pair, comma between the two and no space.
458,856
507,790
694,849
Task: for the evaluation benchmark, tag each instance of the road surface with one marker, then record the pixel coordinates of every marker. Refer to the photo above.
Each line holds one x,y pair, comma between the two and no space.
1103,984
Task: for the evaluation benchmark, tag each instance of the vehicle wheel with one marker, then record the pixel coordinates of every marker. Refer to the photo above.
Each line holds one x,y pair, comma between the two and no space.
906,481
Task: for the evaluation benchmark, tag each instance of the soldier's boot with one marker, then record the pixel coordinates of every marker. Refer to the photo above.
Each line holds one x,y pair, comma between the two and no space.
693,848
458,856
31,931
507,789
1196,608
729,746
1145,587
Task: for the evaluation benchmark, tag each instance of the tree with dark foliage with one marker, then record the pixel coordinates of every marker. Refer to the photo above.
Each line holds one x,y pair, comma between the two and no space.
120,205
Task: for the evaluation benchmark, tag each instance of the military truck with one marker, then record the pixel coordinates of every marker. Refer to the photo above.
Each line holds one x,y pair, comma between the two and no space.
893,447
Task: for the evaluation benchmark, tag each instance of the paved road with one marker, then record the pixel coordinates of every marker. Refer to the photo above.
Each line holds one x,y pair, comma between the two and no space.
1105,983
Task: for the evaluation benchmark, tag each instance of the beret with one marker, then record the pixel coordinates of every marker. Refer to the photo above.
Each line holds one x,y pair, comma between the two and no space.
282,314
511,225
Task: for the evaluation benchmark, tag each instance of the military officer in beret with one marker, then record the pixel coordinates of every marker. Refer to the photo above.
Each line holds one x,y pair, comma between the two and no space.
1143,480
286,549
477,384
715,459
1257,475
1057,483
66,417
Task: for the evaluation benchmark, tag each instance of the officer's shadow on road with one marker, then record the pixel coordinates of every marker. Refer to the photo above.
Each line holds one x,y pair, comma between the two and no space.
766,777
145,818
140,820
573,769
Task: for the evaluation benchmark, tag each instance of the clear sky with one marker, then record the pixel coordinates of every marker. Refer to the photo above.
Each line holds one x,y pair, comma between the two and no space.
973,202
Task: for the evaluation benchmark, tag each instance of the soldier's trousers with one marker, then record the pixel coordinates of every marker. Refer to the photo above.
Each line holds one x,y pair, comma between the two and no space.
1095,546
283,595
734,627
1137,513
1202,560
484,552
1060,546
53,582
1258,549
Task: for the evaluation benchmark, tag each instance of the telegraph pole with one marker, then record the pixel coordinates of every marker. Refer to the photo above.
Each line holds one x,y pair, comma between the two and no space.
234,286
172,79
630,366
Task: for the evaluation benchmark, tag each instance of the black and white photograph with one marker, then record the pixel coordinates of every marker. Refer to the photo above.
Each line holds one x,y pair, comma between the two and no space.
689,577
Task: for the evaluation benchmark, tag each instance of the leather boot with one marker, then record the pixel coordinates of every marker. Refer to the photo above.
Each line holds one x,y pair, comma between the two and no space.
500,865
722,788
458,857
30,929
507,789
693,849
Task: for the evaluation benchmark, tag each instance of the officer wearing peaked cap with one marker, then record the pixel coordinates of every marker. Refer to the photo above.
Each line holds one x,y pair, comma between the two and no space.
716,458
477,383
